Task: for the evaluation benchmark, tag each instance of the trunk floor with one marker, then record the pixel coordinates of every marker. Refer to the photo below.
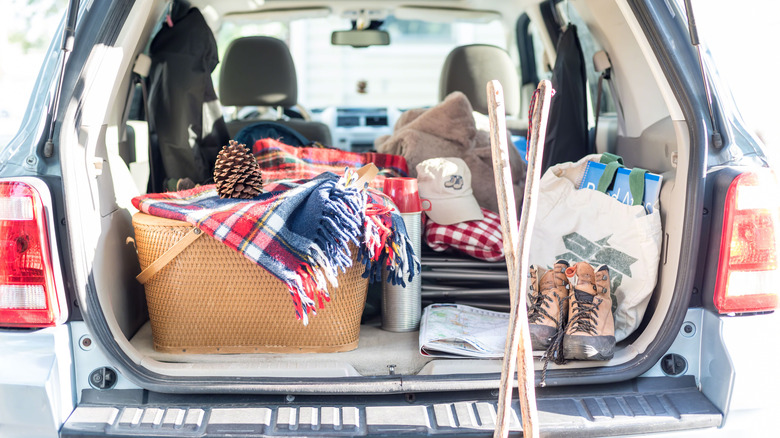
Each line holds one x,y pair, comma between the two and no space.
377,350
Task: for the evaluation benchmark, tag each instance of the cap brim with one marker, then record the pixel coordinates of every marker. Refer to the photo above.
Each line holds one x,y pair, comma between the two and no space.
448,211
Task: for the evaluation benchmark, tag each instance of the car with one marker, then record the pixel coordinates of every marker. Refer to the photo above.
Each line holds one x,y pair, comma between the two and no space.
76,336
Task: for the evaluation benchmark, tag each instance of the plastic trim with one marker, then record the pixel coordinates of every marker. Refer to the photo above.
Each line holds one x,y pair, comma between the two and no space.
638,406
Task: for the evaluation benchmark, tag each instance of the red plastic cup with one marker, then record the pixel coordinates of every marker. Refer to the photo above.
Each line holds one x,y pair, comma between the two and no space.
403,192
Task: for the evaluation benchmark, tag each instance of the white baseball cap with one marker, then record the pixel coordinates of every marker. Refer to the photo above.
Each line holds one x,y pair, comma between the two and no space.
446,184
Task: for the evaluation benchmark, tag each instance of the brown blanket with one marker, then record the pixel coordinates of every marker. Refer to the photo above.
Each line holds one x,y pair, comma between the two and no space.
449,130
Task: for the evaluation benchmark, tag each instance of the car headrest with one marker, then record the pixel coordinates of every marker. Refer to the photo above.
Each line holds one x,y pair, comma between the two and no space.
468,69
258,71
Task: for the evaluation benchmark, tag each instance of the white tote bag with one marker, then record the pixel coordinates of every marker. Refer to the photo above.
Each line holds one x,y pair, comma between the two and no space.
587,225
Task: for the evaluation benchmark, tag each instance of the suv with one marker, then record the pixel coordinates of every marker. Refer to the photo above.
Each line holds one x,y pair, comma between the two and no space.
75,337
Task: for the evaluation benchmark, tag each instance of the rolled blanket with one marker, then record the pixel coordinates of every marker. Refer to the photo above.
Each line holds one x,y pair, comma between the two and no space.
279,161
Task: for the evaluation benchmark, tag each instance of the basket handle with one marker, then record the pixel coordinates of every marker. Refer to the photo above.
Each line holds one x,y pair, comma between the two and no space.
168,255
365,175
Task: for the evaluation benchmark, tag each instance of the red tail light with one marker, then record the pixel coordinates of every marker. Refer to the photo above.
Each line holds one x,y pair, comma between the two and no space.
748,274
28,297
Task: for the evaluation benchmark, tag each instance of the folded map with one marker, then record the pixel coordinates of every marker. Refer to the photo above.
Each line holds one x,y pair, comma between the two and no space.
456,330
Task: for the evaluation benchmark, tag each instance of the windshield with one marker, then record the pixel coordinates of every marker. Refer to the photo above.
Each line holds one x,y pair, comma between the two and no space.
404,74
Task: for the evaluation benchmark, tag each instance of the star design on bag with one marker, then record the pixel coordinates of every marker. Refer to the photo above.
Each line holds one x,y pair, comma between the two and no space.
598,253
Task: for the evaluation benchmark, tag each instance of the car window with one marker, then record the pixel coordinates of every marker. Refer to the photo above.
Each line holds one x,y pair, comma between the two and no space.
542,60
589,47
403,74
557,16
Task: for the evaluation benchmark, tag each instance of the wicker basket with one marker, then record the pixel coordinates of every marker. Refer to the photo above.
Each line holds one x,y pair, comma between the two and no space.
211,299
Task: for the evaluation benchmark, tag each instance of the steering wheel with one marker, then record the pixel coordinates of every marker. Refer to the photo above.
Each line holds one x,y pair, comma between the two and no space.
298,111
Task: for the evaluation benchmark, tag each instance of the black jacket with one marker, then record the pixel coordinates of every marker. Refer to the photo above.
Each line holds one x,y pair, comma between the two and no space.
188,130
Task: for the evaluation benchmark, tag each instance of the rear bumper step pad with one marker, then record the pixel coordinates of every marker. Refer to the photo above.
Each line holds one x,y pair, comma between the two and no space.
639,406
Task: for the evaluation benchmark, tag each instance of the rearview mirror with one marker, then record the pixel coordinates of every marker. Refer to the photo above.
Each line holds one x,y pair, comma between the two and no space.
360,38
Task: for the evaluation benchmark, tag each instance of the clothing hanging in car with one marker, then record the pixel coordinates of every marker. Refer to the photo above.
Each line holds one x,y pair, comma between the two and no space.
188,128
567,128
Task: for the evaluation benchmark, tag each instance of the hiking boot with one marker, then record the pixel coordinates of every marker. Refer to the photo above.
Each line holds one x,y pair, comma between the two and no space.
547,307
590,334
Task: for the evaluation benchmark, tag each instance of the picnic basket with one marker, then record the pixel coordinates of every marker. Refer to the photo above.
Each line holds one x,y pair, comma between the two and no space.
208,298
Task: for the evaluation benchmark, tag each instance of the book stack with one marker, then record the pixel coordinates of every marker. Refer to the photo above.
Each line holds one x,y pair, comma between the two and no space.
620,187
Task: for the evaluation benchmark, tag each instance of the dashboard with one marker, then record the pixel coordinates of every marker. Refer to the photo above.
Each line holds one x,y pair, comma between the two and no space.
355,129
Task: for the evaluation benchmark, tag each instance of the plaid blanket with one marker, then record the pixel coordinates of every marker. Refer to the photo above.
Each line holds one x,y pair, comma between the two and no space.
300,231
279,161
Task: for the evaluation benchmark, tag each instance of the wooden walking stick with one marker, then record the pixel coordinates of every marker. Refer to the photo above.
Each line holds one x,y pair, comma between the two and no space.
518,343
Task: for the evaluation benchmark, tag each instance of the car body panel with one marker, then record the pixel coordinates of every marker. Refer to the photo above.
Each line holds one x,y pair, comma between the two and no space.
36,381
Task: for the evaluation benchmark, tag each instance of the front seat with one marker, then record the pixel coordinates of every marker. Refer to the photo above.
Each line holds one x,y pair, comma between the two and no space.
259,71
469,68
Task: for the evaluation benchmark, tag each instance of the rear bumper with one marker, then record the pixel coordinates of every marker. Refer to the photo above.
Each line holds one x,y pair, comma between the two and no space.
639,406
36,383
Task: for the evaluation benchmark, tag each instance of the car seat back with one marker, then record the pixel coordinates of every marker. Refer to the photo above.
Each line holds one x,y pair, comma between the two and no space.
469,68
259,71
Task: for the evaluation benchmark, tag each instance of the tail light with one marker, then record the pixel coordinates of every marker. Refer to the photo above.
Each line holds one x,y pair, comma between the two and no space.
748,275
28,297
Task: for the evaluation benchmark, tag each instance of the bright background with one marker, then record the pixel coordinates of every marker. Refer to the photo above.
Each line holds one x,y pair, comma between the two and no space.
741,34
743,37
26,29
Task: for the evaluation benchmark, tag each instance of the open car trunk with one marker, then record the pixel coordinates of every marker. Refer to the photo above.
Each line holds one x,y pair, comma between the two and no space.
654,137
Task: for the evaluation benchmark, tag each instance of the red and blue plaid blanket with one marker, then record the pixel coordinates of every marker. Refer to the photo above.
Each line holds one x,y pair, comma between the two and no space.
279,161
300,231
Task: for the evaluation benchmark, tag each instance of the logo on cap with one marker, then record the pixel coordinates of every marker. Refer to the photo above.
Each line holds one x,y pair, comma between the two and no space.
455,182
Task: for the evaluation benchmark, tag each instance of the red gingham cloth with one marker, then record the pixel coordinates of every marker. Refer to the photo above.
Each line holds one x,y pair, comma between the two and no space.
481,239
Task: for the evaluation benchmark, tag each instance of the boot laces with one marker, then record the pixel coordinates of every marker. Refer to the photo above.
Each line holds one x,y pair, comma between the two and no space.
584,320
585,316
541,301
554,351
539,307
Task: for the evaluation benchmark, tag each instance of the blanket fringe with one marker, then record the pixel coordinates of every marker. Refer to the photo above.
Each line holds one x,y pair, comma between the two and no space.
354,216
388,246
349,218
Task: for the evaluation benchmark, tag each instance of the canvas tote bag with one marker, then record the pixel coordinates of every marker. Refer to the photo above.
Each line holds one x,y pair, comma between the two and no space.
588,225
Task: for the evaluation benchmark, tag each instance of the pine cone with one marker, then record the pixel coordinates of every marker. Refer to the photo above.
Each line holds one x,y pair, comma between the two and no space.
236,172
